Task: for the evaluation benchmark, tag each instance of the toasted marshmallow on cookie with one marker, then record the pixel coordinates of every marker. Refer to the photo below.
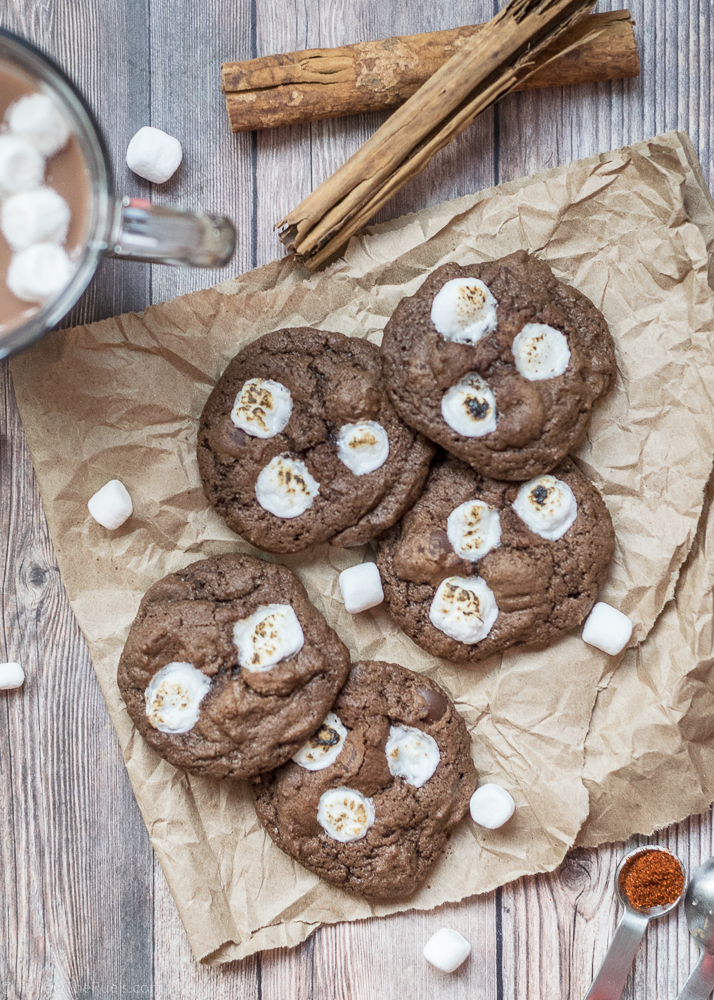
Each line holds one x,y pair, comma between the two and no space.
285,488
324,747
174,696
262,408
464,608
411,754
363,447
540,351
345,814
37,119
473,529
464,310
547,505
469,407
271,634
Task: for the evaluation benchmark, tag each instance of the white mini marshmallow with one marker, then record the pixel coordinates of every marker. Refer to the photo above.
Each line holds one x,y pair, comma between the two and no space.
271,634
262,408
473,529
154,155
411,754
174,696
361,587
540,351
111,505
39,216
447,950
491,806
39,273
345,814
11,676
363,447
464,608
38,120
547,505
324,747
607,629
469,407
464,310
285,488
22,167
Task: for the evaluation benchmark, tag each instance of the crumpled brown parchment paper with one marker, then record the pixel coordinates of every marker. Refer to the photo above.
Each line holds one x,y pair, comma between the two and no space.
587,747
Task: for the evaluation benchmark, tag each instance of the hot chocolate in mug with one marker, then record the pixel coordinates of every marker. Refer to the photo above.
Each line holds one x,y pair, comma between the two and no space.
100,223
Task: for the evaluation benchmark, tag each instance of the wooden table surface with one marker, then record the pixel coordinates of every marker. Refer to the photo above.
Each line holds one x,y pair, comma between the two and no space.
85,910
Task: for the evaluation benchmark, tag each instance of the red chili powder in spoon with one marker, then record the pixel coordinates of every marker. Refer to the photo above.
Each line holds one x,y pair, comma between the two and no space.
652,878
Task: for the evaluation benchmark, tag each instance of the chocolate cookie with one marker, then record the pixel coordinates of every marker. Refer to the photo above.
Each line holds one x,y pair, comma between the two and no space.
379,788
299,443
500,363
478,566
228,667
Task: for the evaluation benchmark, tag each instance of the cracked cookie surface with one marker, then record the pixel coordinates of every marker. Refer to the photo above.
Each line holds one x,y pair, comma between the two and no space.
248,721
411,824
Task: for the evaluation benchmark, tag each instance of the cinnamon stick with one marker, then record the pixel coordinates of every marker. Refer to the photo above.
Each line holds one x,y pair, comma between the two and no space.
488,66
371,76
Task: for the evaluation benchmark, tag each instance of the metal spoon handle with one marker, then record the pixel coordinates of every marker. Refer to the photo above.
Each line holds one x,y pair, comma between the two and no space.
610,980
701,982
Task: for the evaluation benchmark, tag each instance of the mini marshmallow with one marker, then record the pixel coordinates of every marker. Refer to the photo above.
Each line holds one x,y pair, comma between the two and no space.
345,814
154,155
39,273
464,310
447,950
411,754
285,488
22,167
111,505
174,696
547,505
491,806
607,629
362,447
40,216
271,634
11,676
361,587
38,120
473,529
540,352
262,408
324,747
469,407
464,608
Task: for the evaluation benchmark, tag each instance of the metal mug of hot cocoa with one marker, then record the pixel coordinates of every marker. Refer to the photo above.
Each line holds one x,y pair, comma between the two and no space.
58,211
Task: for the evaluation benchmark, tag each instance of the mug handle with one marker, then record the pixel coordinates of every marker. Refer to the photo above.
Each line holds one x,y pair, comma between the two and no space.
162,234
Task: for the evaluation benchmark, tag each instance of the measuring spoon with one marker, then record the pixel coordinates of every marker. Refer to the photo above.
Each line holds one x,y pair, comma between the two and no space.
699,909
610,980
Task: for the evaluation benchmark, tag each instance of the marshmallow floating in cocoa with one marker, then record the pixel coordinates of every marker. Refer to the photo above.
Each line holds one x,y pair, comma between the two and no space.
447,950
38,120
174,695
11,676
285,488
22,167
547,505
262,408
607,629
491,806
271,634
464,310
111,505
469,407
361,587
39,216
39,273
154,155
